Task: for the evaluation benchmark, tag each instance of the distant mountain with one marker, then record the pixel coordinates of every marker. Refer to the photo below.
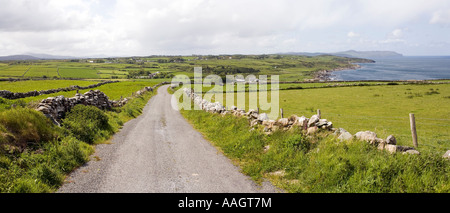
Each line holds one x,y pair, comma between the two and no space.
56,57
304,53
41,56
47,56
368,54
353,54
18,57
32,56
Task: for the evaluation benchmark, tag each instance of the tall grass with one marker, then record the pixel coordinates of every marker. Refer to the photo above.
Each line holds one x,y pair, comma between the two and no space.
35,154
88,123
42,170
22,127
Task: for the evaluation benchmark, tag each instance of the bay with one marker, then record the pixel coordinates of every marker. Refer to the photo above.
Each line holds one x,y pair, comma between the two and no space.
400,68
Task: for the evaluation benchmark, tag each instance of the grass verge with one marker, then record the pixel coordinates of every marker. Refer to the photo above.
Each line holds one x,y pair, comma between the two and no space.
299,163
36,155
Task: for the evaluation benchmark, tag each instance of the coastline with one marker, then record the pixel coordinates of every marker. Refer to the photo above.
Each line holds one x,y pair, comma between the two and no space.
400,68
324,75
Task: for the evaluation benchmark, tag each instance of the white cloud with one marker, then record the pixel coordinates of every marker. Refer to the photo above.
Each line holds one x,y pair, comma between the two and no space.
352,34
140,27
396,36
397,33
441,17
45,15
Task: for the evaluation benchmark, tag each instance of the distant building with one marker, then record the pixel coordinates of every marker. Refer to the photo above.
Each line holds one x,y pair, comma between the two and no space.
152,75
250,81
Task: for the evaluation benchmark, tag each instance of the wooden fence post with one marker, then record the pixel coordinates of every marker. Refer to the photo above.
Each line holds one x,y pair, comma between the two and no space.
412,121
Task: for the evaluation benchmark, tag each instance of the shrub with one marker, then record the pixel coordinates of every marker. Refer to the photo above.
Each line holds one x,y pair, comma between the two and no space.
87,123
392,83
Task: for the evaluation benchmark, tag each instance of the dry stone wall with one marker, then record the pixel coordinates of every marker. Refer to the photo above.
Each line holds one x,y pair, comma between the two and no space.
55,108
310,125
16,95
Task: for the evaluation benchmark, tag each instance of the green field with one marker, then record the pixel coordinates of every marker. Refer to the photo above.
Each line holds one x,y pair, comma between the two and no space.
38,85
290,68
124,89
78,72
382,109
14,71
110,73
114,91
42,71
286,86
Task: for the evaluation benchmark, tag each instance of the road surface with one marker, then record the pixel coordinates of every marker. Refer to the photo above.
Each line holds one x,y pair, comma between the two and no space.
159,152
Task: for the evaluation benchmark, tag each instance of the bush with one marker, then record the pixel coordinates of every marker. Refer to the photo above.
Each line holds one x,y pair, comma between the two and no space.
392,83
87,123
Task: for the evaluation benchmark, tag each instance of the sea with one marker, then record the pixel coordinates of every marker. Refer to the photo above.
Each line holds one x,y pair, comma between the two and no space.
399,68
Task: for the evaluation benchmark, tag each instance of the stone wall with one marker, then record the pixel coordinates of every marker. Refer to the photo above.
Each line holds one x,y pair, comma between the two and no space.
16,95
310,125
55,108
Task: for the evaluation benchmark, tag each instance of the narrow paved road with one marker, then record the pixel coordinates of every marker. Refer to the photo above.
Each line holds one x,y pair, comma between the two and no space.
159,152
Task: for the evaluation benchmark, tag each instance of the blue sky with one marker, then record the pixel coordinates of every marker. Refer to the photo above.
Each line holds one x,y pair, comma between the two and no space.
143,27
